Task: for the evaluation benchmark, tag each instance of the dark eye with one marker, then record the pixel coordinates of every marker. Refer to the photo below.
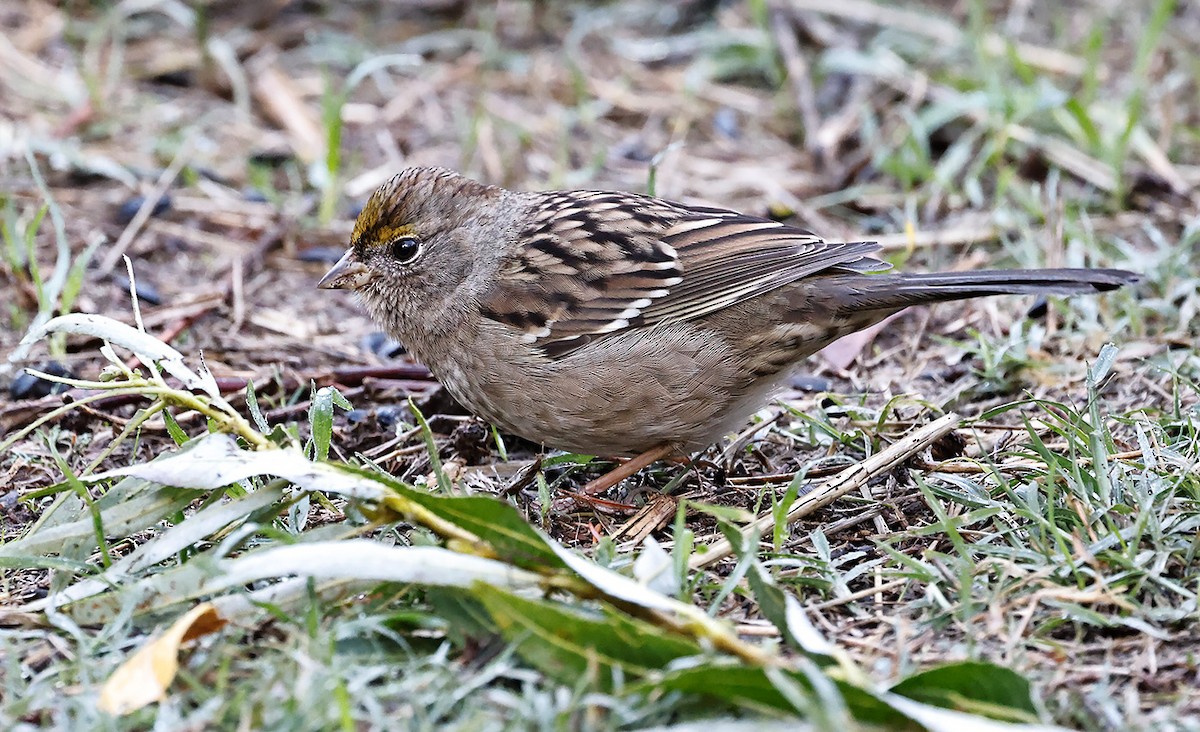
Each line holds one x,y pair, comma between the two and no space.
405,249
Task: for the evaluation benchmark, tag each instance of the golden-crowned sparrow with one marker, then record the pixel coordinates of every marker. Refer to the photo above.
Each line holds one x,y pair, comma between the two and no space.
610,323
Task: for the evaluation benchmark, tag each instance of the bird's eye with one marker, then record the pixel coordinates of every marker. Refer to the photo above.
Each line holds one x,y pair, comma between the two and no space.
405,249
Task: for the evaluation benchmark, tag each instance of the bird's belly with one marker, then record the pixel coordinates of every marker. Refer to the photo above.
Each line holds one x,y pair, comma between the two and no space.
627,394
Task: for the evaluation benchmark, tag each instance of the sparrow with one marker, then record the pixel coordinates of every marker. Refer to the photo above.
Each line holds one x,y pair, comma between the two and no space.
611,323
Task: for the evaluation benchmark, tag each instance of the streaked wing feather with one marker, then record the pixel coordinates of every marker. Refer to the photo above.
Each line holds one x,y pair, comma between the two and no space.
597,263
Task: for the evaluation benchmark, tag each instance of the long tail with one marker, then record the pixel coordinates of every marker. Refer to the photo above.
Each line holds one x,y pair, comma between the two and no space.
895,291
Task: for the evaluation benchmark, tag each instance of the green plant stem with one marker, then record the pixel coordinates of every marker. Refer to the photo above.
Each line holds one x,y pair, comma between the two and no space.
137,421
227,421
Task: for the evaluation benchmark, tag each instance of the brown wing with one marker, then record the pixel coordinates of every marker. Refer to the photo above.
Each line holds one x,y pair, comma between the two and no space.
597,263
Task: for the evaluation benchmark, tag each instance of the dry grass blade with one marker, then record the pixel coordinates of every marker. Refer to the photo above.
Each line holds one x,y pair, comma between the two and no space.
799,75
283,104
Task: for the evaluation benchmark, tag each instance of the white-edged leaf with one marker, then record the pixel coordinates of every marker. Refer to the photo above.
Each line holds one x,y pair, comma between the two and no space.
655,569
289,595
145,346
729,724
1104,363
369,560
803,631
194,529
338,567
215,460
616,585
320,421
151,503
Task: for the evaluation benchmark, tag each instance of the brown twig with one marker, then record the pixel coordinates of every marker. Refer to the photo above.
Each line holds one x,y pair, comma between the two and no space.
281,102
627,469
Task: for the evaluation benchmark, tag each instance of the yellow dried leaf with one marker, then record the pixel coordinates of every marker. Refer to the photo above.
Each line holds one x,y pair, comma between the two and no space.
145,676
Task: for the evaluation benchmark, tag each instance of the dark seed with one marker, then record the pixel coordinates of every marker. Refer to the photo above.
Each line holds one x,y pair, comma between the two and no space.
214,176
391,415
472,441
382,345
130,208
947,375
325,255
1038,310
146,292
271,158
1150,184
355,416
1033,166
254,195
182,78
28,386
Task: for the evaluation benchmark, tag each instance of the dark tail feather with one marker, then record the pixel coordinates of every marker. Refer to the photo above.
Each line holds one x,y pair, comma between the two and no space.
895,291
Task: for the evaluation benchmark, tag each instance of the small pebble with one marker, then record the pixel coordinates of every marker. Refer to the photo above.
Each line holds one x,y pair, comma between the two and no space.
633,148
874,225
130,208
356,416
810,383
28,386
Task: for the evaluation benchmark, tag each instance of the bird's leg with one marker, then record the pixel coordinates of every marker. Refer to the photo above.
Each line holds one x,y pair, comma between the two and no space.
626,469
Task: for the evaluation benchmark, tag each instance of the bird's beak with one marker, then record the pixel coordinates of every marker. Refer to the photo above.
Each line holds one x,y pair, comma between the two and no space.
347,274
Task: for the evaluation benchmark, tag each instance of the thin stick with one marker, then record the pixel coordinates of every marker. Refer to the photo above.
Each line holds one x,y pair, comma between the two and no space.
626,469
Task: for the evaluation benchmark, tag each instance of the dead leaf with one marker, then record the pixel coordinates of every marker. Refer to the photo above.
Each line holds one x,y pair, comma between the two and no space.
145,676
